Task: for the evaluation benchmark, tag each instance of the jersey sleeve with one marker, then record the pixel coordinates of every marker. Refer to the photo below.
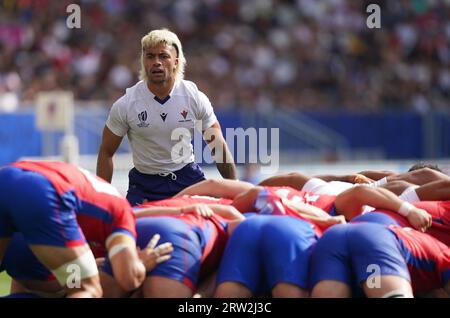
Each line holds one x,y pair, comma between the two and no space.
116,121
205,111
124,223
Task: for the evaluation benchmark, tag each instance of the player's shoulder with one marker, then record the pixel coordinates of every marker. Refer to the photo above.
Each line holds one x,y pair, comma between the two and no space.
131,95
186,88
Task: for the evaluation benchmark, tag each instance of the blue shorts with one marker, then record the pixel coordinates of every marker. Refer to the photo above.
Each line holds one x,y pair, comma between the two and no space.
188,242
349,253
155,187
29,204
375,217
266,250
21,264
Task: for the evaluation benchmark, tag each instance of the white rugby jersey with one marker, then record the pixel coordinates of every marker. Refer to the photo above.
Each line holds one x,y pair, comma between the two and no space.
149,122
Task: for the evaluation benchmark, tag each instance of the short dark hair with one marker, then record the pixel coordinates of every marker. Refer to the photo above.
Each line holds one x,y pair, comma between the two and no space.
421,165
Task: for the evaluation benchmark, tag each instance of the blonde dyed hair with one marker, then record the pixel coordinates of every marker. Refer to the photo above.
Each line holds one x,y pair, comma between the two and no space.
165,36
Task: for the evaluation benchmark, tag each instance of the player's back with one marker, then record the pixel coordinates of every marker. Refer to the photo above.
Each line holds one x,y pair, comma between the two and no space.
101,210
322,201
429,259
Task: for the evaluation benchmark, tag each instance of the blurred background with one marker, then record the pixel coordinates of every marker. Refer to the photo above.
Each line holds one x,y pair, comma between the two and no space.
343,96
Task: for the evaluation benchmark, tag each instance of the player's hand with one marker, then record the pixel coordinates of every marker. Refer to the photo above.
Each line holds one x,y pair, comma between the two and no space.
419,219
332,220
338,219
359,178
198,209
153,255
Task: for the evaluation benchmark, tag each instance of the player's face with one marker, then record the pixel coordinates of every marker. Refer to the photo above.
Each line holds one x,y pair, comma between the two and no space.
160,62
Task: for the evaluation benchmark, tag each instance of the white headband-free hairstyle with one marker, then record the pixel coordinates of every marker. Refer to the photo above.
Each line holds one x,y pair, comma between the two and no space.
156,37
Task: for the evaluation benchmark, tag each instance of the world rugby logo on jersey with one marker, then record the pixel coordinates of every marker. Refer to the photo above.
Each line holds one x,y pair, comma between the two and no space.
184,113
142,119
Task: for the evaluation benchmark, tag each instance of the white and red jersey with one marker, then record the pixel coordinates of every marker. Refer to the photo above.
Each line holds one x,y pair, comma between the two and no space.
322,201
101,210
277,201
428,259
439,211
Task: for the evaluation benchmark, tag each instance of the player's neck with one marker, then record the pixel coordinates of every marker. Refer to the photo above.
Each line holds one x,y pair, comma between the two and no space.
161,90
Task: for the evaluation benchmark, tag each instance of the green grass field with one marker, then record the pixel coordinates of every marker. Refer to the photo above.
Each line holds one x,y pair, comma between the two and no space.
5,282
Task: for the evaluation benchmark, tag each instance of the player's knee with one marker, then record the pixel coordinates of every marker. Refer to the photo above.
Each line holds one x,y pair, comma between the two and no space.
287,290
331,289
232,290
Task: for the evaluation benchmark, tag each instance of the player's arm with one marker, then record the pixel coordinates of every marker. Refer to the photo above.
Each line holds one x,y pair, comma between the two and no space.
377,175
217,188
220,152
156,211
350,178
130,266
315,214
108,147
351,202
227,211
245,202
295,180
198,209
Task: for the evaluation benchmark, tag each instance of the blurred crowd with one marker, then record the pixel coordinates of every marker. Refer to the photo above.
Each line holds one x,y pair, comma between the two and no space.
255,54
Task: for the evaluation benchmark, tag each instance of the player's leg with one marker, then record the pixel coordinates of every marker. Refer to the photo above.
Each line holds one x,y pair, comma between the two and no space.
331,289
241,270
233,290
286,243
288,290
206,286
163,287
391,286
330,275
110,287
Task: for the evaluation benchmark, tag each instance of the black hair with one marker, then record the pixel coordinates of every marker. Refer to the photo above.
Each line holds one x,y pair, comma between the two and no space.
421,165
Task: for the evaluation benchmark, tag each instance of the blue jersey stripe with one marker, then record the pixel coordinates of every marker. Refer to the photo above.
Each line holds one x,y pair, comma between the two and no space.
419,263
123,231
95,211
